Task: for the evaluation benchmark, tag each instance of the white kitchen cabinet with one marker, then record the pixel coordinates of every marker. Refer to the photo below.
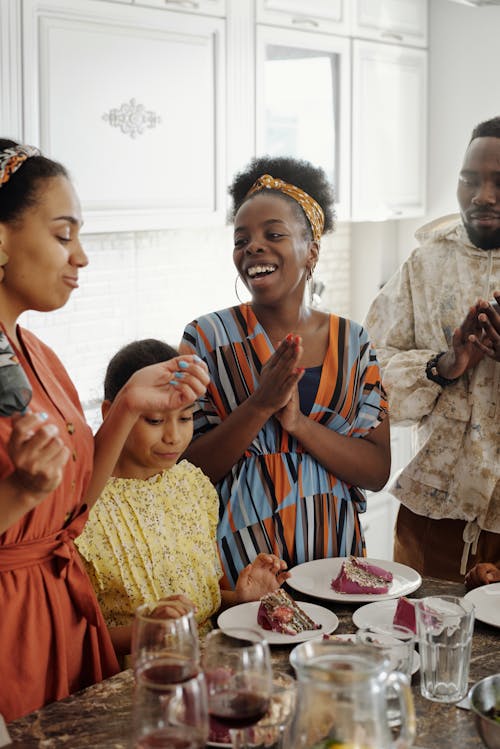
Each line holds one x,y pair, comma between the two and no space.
303,101
11,125
329,16
203,7
391,21
132,101
389,131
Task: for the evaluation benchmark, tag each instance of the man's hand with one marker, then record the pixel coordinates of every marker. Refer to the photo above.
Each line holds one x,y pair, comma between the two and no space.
464,354
482,574
489,320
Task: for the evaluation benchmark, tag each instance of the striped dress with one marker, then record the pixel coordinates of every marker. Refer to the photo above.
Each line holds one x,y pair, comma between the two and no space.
278,498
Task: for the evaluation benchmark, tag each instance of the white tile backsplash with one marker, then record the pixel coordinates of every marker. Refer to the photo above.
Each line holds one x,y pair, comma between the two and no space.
149,285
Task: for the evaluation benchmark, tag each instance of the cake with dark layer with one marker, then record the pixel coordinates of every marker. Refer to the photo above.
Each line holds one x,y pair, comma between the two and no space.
357,576
404,616
279,612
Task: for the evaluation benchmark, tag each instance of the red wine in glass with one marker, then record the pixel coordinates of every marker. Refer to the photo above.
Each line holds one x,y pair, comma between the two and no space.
238,708
165,671
172,738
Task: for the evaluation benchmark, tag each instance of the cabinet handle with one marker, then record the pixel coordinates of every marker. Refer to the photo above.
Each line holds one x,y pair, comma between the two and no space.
305,22
186,3
392,35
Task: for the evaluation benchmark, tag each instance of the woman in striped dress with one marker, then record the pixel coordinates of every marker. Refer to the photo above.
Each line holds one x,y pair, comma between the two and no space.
294,423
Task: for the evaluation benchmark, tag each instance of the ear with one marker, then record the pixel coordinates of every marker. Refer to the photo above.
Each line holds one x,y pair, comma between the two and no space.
313,255
105,406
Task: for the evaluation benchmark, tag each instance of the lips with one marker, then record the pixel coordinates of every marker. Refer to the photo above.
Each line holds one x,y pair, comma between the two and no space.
71,281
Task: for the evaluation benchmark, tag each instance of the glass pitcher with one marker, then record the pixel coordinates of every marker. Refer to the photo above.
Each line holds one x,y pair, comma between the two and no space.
344,689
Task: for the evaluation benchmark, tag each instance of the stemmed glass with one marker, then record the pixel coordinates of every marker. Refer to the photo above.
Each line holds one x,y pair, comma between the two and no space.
237,667
169,646
169,715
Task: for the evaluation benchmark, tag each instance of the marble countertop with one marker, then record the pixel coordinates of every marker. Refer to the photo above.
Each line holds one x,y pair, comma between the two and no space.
99,717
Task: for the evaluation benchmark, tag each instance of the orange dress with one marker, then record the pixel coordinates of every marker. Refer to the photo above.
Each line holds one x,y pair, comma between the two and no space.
53,638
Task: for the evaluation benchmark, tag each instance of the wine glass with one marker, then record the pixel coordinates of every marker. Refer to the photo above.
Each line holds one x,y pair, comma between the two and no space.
237,667
172,644
169,715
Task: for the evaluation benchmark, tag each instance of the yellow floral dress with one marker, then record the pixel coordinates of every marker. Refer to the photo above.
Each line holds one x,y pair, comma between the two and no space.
147,539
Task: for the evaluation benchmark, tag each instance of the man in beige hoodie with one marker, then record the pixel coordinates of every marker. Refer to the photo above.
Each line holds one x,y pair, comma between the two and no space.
437,336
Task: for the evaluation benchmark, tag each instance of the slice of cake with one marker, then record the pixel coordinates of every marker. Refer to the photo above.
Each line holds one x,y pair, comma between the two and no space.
404,616
279,612
357,576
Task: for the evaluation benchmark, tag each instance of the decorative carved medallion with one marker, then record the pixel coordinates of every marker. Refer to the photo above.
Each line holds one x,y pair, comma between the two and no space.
132,118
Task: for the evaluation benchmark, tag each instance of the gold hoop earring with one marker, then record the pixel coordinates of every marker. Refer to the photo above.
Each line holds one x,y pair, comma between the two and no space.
4,259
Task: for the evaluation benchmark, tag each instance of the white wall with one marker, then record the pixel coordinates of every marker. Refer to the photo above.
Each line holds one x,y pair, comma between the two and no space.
464,89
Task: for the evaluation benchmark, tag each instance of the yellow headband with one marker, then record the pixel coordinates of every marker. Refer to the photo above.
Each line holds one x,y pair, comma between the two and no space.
313,210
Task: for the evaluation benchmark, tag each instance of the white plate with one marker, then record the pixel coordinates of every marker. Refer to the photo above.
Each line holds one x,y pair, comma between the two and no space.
314,579
352,638
245,615
486,599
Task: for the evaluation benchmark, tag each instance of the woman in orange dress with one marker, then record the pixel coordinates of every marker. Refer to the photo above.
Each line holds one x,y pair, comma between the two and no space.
53,637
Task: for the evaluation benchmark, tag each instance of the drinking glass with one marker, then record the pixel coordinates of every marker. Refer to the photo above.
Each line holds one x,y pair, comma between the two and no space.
172,643
169,715
397,645
444,625
237,666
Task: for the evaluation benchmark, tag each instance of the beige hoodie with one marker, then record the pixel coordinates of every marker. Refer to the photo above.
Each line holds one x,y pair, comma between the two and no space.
456,470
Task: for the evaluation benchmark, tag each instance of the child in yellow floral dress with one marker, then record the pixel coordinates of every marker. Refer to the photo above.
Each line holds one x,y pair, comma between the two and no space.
151,536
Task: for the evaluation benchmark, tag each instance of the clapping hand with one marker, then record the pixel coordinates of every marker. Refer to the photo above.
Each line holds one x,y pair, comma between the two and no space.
280,375
467,346
266,573
489,320
38,455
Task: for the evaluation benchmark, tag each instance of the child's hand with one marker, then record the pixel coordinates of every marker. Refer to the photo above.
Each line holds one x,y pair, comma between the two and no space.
168,385
173,607
482,574
266,573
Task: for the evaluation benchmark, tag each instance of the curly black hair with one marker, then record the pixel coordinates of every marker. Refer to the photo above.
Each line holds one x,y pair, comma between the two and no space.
487,129
20,192
298,172
130,359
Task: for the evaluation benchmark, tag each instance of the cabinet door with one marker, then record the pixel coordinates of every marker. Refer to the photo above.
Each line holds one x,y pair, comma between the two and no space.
389,131
204,7
303,102
316,15
393,21
132,101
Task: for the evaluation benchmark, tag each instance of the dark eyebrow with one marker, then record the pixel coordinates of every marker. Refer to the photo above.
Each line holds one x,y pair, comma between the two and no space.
265,223
70,219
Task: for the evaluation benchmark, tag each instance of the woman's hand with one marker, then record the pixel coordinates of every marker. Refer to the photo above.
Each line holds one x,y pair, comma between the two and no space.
482,574
266,573
38,455
173,607
167,386
290,414
279,376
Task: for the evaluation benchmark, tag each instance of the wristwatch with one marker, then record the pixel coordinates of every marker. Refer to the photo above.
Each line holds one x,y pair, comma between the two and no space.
432,373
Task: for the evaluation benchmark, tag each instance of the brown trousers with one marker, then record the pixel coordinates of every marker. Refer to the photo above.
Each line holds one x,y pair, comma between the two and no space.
434,547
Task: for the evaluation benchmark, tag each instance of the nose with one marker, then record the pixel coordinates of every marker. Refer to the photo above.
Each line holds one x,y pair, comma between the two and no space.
170,433
486,194
253,246
78,256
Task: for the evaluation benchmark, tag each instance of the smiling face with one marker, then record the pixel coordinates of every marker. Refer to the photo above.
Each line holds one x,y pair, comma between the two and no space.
44,250
272,249
155,443
478,192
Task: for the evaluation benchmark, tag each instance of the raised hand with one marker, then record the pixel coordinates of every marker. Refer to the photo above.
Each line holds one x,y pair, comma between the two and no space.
168,385
38,455
266,573
280,375
489,320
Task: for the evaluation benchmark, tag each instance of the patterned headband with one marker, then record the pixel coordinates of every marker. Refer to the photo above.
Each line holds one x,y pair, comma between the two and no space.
12,158
313,210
